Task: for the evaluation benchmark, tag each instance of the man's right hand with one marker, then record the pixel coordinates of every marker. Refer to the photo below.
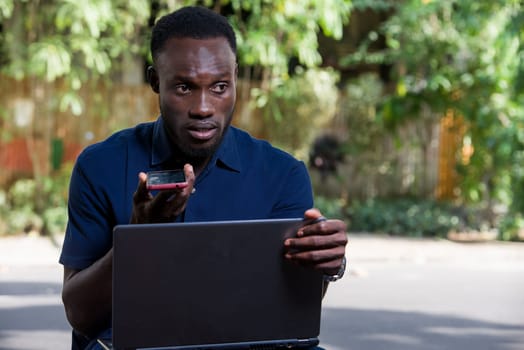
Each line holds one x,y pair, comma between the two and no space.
89,312
165,206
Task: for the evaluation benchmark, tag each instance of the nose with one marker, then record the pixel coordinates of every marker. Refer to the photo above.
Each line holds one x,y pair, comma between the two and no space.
202,106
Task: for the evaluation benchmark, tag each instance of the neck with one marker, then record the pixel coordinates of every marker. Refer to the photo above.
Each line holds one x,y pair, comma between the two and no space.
198,164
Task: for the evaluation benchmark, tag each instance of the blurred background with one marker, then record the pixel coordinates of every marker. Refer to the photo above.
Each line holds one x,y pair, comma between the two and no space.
409,114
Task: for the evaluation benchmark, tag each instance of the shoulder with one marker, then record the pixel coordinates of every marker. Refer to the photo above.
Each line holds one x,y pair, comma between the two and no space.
273,176
115,146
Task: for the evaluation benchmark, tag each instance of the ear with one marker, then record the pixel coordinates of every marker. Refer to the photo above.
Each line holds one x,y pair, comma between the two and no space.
152,78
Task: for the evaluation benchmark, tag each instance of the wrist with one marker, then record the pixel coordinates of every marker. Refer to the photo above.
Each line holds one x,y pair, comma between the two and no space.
339,274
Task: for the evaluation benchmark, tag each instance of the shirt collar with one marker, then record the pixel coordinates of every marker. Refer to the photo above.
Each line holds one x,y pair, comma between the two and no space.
226,155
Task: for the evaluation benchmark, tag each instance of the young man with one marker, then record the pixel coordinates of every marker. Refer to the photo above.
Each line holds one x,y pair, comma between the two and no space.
230,175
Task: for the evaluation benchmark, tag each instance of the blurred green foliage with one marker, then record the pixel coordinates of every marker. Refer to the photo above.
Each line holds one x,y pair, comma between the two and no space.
295,110
464,55
79,42
32,206
467,56
329,207
410,217
511,228
405,216
75,41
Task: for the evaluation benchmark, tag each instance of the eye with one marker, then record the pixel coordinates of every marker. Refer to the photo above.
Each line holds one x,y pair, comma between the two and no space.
219,88
182,89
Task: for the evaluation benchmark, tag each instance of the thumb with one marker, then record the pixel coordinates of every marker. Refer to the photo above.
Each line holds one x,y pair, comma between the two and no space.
142,193
312,214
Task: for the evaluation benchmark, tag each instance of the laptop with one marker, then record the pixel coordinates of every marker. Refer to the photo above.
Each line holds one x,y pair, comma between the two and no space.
212,285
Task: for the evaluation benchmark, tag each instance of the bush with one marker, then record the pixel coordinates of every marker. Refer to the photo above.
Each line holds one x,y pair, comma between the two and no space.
55,220
31,206
511,228
330,208
408,217
23,220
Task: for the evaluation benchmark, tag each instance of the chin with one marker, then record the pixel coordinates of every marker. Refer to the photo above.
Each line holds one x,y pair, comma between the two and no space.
200,152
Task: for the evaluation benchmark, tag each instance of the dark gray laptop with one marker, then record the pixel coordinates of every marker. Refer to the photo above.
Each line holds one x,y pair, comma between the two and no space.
212,285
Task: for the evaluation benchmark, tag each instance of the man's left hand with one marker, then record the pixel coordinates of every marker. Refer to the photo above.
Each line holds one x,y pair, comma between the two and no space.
320,243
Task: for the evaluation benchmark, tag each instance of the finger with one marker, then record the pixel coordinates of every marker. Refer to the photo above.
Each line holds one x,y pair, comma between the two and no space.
173,202
318,255
142,193
167,202
321,227
190,174
327,259
330,267
181,192
317,241
190,179
307,222
312,214
167,195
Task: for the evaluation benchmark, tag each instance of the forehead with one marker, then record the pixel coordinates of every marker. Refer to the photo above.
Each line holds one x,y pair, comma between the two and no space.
188,55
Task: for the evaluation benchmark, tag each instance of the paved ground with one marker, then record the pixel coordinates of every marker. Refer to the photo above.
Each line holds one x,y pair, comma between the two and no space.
398,294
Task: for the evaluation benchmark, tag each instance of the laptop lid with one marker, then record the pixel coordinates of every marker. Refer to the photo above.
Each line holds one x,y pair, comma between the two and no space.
212,285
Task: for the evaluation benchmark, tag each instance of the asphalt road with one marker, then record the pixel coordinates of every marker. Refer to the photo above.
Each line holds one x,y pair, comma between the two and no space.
398,294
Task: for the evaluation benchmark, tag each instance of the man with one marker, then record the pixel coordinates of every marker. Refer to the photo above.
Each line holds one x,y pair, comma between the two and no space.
230,175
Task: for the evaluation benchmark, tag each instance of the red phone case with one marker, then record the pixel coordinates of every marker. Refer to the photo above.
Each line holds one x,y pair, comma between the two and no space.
169,186
166,180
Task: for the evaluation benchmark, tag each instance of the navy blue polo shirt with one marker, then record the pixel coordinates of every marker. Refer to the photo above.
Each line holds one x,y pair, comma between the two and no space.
246,179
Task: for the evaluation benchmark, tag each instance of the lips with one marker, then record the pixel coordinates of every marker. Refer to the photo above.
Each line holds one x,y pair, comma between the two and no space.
202,132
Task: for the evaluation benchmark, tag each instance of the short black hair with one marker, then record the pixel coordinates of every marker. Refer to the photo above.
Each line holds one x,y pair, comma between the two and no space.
191,22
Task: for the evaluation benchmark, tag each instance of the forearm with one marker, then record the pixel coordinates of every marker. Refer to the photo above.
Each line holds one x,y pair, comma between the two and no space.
87,296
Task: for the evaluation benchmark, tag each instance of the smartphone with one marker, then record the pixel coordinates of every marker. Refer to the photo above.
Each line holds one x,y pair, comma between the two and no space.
166,180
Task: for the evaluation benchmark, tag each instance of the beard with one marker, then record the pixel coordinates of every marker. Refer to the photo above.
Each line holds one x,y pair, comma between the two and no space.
199,154
196,155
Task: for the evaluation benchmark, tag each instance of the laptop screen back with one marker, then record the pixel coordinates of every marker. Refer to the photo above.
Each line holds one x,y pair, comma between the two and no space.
188,284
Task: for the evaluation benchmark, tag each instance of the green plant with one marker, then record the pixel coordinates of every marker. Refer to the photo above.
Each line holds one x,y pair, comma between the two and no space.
467,56
409,217
55,220
23,220
57,47
23,213
21,216
330,207
296,109
61,46
511,228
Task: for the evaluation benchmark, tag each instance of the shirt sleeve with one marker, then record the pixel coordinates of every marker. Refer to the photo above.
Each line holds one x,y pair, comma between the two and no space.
295,194
89,230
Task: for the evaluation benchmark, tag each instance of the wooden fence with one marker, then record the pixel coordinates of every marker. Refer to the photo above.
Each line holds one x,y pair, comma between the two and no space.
34,138
36,132
452,129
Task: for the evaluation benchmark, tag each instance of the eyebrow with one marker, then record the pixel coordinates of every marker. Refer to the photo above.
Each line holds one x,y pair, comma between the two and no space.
224,76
